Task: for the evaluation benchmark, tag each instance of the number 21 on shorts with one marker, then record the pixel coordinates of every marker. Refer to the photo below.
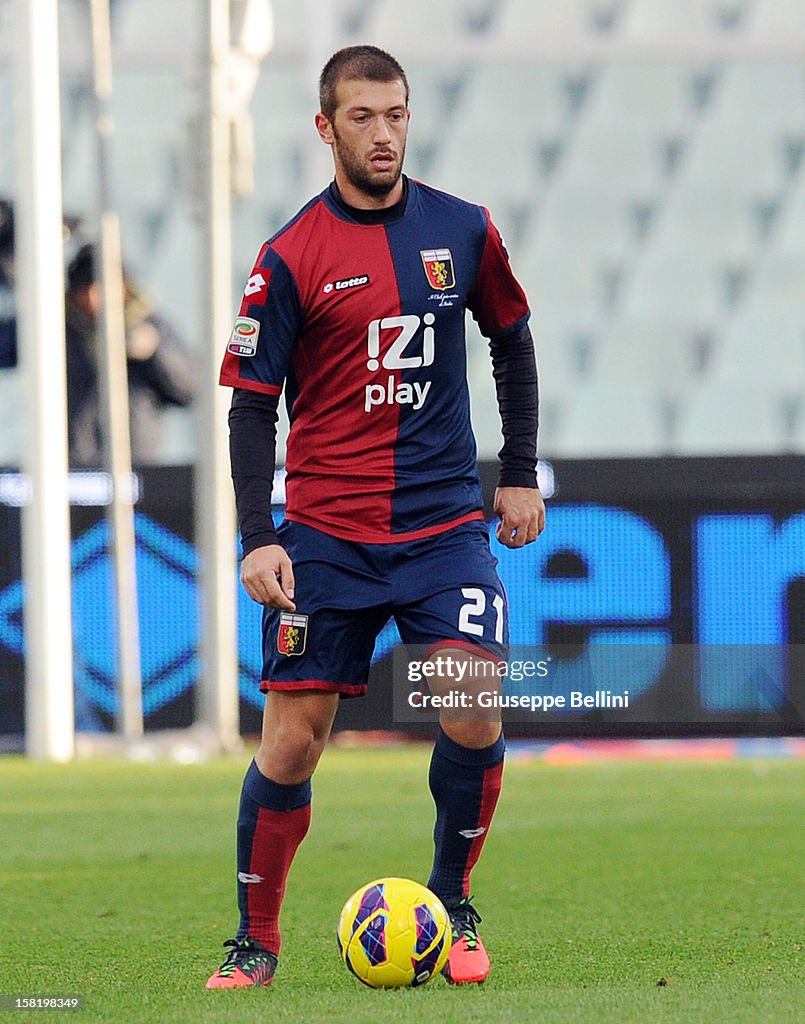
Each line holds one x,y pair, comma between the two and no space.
474,614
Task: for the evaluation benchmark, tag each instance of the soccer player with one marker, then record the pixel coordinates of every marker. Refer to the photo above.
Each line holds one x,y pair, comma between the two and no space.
356,307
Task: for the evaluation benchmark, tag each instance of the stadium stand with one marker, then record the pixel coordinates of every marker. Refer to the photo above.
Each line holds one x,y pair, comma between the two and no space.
10,417
682,22
732,418
609,416
645,162
772,20
559,23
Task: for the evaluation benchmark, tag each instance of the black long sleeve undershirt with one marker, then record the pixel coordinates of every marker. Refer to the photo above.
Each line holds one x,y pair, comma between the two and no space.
514,367
252,455
253,433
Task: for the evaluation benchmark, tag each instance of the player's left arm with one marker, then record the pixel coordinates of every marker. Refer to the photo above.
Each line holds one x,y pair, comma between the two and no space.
499,305
518,501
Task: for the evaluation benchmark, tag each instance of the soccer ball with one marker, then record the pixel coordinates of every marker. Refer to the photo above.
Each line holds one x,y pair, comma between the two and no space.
394,933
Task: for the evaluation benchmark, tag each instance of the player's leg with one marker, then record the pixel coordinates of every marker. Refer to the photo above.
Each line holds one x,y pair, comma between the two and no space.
466,767
273,819
274,813
465,778
311,658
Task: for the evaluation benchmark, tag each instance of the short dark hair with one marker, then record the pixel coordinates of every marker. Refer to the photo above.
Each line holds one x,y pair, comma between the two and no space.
6,227
367,62
84,270
81,271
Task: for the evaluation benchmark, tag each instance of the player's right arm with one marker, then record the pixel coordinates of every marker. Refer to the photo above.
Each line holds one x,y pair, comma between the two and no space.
255,366
266,570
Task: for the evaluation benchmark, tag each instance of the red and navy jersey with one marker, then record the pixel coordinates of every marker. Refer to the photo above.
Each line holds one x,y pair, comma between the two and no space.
363,325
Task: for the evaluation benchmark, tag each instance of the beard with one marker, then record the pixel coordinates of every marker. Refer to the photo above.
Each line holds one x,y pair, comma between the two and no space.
360,173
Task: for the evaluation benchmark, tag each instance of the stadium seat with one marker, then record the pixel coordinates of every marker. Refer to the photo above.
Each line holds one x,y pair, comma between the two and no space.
646,97
174,272
283,109
731,418
517,106
647,21
564,290
75,38
80,161
398,27
776,20
766,346
797,444
11,425
483,406
575,259
7,161
717,227
616,160
179,440
651,198
291,27
777,285
436,94
609,417
672,282
552,24
143,30
788,233
563,356
147,149
765,92
557,376
6,35
737,145
652,353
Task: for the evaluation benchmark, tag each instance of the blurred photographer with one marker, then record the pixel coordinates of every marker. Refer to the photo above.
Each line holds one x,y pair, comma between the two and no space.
161,368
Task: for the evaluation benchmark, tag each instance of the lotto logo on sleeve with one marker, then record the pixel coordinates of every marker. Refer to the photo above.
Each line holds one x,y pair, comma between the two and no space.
244,337
256,287
292,635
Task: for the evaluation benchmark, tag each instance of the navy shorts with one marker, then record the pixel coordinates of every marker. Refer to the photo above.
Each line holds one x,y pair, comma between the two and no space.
442,591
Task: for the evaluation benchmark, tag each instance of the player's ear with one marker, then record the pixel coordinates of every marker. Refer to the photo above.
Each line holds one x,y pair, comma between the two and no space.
325,129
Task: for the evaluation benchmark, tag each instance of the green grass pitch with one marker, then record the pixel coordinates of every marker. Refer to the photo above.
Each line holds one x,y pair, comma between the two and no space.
611,892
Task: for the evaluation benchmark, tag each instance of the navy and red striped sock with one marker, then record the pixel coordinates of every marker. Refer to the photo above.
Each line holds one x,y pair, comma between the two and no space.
273,819
465,784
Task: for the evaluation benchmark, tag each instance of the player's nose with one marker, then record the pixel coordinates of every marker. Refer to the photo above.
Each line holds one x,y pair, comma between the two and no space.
382,134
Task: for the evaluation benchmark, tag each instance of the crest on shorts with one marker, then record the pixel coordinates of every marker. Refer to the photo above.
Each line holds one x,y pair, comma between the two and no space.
438,264
292,635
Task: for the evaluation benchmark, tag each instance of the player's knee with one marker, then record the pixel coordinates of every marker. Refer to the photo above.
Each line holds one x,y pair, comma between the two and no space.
475,735
290,754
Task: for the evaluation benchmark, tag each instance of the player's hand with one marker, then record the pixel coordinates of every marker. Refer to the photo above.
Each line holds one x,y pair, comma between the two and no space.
522,515
267,575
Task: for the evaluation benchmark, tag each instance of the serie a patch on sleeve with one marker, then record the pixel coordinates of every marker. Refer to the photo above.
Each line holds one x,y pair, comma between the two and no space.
245,333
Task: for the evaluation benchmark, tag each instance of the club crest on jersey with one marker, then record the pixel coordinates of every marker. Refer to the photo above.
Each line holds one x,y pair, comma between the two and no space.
438,264
244,337
292,635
